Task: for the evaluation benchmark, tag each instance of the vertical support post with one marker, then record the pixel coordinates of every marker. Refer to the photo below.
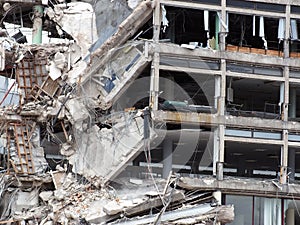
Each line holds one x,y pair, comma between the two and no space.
222,41
154,86
216,150
220,164
284,148
286,47
223,87
281,99
217,92
293,103
167,157
290,216
222,126
286,74
37,24
284,158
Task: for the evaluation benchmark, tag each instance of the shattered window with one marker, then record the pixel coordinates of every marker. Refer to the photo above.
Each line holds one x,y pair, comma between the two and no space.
8,92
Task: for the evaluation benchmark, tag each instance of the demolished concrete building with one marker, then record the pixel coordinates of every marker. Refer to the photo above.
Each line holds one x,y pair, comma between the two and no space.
150,112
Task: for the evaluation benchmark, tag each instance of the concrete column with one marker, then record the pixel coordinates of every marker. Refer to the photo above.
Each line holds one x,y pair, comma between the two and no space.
167,157
222,36
157,21
286,47
220,163
216,150
217,92
154,83
222,127
286,74
281,99
223,87
290,216
154,86
37,24
293,102
284,157
218,196
292,164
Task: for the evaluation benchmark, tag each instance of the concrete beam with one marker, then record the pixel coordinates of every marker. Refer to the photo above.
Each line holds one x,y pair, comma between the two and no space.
253,140
201,6
192,5
255,76
266,188
229,121
190,70
282,2
175,50
256,12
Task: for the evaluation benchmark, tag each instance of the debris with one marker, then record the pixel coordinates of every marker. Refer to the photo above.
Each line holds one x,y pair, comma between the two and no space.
46,195
136,181
78,20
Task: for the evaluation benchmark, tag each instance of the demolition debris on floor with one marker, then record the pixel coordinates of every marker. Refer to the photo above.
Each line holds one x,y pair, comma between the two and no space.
149,112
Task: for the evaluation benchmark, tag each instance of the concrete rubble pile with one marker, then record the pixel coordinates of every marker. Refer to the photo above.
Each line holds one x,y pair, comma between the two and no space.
64,144
76,201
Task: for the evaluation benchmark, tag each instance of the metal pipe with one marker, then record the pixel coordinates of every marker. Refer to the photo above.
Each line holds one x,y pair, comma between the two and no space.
37,24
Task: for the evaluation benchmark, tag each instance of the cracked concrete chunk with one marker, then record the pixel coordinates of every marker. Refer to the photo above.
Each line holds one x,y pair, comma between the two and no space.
67,149
26,200
78,112
78,20
46,195
105,152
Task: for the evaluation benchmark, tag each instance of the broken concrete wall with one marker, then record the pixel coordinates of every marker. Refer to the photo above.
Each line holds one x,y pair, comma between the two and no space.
108,18
25,155
107,84
25,200
78,20
103,153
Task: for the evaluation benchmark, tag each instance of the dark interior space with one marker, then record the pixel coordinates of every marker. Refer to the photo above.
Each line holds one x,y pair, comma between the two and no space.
137,94
192,92
241,32
293,167
257,6
294,102
249,97
187,25
252,160
192,152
